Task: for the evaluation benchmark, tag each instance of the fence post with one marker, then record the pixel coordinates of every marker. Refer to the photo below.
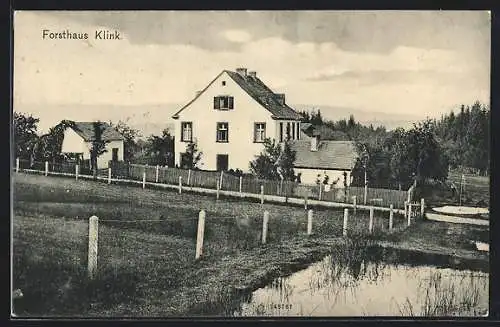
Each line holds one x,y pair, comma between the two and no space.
241,185
409,214
180,184
406,209
221,177
365,194
422,207
391,217
92,253
261,194
77,170
320,190
344,228
189,177
17,165
354,203
109,175
217,187
305,201
264,226
281,187
46,168
201,231
370,225
157,173
309,221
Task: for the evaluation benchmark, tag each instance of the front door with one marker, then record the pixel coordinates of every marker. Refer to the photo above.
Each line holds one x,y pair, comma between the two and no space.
115,154
222,162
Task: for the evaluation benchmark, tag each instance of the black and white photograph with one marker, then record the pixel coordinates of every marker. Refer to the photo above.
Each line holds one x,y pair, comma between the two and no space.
235,164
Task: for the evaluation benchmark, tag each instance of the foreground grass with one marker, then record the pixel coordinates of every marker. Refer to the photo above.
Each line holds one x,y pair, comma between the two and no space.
147,268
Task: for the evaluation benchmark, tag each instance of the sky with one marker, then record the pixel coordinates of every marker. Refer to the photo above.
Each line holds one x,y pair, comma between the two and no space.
420,63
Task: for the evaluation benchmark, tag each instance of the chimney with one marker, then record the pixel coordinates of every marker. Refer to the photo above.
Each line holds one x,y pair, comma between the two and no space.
314,143
252,74
242,71
280,97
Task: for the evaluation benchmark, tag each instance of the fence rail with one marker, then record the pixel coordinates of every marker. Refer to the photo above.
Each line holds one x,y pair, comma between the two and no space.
227,182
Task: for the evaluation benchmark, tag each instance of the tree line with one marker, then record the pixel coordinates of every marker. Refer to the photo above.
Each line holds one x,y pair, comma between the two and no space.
426,151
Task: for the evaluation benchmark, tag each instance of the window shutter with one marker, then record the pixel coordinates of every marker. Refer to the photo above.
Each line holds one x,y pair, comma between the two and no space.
231,102
216,103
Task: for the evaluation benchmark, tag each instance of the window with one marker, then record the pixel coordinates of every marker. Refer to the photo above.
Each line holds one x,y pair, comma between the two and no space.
293,131
222,162
187,131
222,132
298,131
287,131
259,132
114,156
223,83
281,132
223,102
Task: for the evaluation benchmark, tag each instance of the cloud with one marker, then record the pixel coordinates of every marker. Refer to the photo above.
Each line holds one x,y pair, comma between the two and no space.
55,72
238,36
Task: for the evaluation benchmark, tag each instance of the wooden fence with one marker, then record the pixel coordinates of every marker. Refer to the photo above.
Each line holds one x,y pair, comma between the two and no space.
242,184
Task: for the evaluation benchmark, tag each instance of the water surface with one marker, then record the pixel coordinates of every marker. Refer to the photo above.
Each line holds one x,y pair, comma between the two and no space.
368,286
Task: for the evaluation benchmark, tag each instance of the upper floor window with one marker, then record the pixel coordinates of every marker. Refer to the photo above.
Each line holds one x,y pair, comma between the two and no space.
222,132
259,132
186,131
223,102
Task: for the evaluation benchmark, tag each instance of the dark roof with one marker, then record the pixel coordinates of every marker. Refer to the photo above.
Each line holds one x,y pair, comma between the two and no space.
339,155
86,131
260,93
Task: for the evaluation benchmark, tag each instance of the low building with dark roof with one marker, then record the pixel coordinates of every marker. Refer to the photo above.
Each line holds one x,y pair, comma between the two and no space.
230,118
317,158
78,138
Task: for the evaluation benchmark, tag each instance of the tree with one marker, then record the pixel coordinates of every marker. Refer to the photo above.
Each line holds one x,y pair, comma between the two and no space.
275,162
316,118
25,135
98,146
192,155
159,150
49,146
130,136
285,163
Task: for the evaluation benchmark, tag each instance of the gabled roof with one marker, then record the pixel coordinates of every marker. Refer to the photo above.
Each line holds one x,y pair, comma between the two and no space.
86,131
339,155
254,87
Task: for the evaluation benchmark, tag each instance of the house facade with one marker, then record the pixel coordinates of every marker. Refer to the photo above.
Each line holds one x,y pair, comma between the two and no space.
229,120
78,141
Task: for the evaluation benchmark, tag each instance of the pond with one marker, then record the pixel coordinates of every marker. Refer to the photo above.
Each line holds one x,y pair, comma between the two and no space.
374,284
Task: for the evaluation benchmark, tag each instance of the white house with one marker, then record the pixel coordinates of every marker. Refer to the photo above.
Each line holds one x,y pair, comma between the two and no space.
78,141
317,158
230,118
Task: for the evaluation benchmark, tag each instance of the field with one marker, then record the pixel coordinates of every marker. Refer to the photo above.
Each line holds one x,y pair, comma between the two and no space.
147,247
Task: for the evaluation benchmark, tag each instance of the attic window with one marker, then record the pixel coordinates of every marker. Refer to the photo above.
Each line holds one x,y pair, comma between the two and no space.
223,102
223,83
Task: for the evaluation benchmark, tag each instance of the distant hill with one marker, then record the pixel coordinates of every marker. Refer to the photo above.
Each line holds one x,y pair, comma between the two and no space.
389,121
153,118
